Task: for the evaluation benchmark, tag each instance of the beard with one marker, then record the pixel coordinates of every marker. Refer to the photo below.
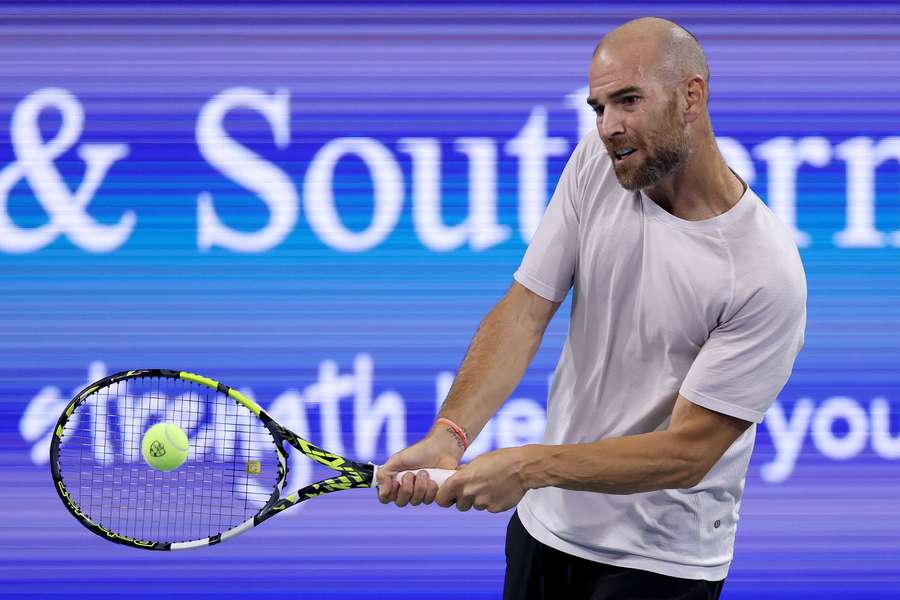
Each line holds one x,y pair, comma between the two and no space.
664,151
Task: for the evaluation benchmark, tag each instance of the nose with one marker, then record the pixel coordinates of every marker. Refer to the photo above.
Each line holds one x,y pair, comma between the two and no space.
610,124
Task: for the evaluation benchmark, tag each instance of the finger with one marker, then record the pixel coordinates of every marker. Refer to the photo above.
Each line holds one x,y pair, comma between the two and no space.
431,492
388,492
395,489
446,494
464,503
384,492
387,469
383,482
420,487
406,489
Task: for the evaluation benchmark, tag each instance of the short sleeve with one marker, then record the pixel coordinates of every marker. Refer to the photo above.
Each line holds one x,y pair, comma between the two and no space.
548,266
746,360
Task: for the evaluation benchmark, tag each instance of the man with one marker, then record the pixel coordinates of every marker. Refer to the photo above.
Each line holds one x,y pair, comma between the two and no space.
688,310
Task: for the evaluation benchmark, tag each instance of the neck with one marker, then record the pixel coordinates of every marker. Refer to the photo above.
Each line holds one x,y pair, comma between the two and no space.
703,188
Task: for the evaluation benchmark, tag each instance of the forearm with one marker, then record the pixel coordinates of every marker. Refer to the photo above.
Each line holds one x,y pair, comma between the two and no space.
498,356
624,465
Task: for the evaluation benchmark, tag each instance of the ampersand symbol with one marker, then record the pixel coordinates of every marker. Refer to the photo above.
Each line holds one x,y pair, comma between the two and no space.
34,162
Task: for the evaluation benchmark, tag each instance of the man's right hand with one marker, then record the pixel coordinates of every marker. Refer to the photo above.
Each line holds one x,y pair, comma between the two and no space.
439,449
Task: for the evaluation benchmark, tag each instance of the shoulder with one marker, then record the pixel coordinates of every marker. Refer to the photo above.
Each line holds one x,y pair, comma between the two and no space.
768,269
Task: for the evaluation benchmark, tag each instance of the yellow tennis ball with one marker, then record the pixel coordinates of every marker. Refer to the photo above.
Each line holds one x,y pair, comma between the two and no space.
165,446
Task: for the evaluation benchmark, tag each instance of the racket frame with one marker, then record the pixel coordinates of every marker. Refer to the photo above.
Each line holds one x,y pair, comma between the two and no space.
352,474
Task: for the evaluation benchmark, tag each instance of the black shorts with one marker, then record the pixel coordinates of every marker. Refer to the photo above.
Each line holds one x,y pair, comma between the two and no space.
535,570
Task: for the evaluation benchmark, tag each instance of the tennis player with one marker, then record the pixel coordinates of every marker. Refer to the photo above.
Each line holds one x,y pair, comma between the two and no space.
688,310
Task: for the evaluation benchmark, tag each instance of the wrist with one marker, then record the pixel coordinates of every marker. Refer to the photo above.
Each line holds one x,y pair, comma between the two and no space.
534,469
448,439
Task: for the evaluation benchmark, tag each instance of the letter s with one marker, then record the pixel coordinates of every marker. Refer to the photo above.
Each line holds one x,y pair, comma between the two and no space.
241,165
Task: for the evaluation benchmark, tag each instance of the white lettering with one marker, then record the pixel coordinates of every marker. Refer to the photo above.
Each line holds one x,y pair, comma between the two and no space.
34,162
327,393
587,118
318,194
784,156
851,444
426,192
148,406
862,156
521,421
245,167
39,419
884,445
480,227
787,437
38,422
368,417
533,147
484,231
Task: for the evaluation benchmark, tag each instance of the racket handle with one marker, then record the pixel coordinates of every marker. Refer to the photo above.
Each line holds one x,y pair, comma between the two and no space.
439,476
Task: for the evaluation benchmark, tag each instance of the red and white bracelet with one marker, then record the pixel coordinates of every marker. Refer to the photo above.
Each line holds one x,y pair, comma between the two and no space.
459,431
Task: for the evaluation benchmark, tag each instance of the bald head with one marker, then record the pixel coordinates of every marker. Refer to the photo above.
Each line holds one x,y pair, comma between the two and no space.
664,48
648,85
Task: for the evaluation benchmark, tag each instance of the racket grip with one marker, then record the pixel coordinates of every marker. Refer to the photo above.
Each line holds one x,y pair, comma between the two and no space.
439,476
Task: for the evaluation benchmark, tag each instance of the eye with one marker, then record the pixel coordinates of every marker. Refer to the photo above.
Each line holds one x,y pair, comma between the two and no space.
630,100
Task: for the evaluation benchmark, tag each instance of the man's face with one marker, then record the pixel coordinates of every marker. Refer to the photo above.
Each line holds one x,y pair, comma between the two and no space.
636,112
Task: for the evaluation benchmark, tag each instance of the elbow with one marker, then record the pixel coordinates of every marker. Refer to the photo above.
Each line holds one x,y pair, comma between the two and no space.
692,479
693,467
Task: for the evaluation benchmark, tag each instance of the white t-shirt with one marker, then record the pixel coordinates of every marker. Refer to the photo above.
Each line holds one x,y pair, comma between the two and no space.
712,309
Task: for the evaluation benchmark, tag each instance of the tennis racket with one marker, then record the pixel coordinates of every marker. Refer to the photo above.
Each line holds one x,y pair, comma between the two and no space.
231,481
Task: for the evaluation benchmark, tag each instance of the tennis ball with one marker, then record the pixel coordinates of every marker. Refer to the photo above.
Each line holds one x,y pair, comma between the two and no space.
165,446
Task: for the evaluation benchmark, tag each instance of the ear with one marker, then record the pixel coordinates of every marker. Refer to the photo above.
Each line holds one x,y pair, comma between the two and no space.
695,95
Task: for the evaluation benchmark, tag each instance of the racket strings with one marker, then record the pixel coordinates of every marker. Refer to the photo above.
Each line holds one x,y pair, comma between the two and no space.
230,471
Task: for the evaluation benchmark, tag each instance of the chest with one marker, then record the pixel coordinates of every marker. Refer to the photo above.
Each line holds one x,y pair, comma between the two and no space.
647,282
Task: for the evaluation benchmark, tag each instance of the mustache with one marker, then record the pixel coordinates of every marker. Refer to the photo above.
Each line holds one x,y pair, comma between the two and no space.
610,147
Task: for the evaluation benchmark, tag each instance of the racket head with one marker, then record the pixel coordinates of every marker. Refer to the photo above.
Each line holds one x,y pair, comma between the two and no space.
234,472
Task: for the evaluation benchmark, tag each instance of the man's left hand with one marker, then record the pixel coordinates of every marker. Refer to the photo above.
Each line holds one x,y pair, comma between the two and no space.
494,481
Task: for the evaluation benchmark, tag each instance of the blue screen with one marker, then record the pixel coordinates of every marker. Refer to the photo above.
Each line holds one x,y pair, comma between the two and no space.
317,204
